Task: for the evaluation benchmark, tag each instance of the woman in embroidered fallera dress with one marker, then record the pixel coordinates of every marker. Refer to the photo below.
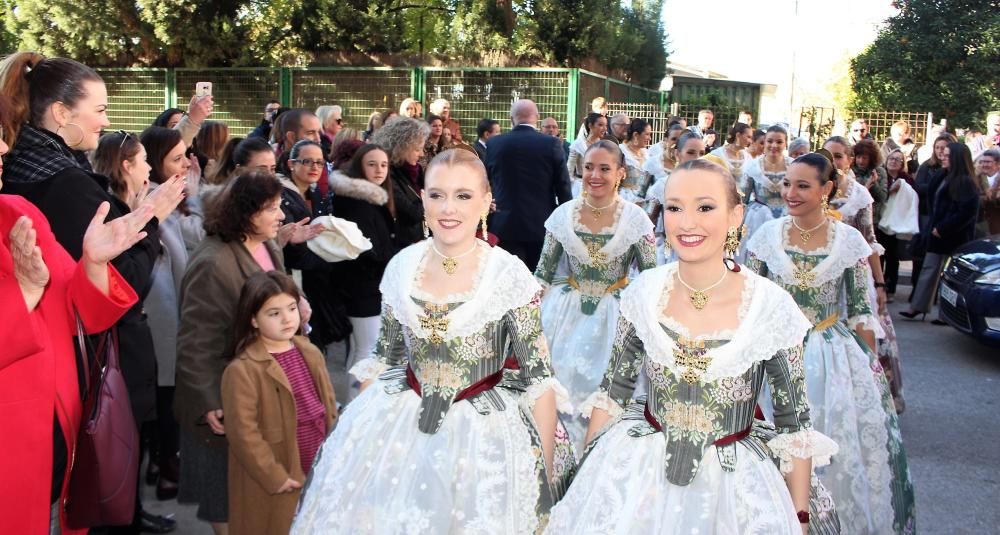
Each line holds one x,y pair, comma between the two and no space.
761,183
636,181
704,339
591,246
823,263
456,429
595,127
855,203
734,150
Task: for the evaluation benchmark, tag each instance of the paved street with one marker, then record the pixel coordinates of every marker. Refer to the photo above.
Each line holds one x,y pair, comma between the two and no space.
950,429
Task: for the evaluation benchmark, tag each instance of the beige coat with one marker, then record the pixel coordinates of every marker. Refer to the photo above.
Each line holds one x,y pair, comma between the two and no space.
260,425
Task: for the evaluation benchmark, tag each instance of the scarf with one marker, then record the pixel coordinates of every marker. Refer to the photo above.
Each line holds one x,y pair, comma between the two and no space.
38,154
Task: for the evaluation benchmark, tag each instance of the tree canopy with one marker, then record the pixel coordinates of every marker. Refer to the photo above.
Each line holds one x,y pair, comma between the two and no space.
221,33
941,56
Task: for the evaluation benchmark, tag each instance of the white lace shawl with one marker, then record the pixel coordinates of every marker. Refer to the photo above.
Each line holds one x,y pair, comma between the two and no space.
505,284
754,168
632,226
847,248
772,323
631,160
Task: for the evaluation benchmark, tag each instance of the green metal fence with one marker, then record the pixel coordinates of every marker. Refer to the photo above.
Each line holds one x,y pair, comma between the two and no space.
137,96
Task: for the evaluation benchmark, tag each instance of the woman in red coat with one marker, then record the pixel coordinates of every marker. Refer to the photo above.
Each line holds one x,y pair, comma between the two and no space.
40,407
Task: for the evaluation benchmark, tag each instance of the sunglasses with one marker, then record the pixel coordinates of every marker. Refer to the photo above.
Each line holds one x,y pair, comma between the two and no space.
125,135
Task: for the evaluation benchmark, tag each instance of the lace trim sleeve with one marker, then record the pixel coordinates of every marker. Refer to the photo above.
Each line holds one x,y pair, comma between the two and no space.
600,400
806,443
535,391
368,369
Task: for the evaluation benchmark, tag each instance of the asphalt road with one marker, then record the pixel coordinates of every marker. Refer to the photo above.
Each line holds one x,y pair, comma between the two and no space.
950,431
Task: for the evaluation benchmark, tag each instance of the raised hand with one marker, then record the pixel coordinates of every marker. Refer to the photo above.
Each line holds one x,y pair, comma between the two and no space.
29,267
166,197
200,108
298,232
103,242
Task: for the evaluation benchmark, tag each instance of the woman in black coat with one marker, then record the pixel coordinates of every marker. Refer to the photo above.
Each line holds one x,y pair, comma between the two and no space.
363,193
403,139
301,199
66,103
926,182
952,223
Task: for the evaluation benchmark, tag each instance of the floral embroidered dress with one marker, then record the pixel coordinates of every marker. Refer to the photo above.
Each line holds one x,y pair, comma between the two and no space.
443,440
654,208
687,459
868,479
637,181
856,209
735,164
762,194
584,273
574,163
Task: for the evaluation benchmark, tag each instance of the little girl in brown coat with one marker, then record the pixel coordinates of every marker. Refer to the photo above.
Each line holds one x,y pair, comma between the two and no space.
279,407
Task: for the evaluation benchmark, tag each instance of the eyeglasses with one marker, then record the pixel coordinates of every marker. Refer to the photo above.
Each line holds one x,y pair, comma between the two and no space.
339,121
311,163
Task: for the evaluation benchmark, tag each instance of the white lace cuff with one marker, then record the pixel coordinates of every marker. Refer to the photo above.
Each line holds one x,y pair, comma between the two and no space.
600,400
865,321
535,391
802,444
368,369
877,247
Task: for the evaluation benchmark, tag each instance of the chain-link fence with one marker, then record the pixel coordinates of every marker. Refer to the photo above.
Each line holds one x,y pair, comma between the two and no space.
135,96
240,94
819,123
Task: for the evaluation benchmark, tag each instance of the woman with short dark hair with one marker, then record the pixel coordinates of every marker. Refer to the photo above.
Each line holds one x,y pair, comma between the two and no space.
244,236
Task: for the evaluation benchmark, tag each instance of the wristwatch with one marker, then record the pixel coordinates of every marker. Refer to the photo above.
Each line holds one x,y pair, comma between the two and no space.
879,284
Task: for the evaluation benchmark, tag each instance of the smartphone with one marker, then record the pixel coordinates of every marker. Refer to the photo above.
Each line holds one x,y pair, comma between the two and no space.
203,89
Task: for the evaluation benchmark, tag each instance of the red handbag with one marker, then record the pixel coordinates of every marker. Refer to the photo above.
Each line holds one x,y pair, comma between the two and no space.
105,467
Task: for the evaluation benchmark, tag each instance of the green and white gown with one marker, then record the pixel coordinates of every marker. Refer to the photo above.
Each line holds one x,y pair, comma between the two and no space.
762,195
637,181
869,478
584,273
444,441
687,460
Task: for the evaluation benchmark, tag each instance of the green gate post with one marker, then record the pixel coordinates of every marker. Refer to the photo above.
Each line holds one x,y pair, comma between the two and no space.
170,91
571,103
418,81
285,87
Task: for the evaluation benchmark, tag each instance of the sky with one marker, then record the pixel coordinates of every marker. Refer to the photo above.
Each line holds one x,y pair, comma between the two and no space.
760,41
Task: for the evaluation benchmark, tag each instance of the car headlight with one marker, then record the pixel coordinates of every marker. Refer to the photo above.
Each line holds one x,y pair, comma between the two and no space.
992,278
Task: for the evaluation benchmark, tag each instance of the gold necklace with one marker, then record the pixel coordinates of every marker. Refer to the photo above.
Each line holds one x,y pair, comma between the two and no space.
597,211
450,263
806,234
699,298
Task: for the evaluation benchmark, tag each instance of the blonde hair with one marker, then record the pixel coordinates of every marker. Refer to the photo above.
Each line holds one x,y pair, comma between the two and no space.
455,158
438,105
407,102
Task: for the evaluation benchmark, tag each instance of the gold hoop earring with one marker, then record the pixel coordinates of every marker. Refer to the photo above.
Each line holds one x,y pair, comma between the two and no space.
77,142
483,220
427,230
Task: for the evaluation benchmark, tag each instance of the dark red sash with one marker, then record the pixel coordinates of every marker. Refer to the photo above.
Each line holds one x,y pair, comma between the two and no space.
724,441
480,386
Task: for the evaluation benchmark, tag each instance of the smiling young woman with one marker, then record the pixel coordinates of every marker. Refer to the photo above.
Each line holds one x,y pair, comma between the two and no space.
695,331
823,264
591,245
459,392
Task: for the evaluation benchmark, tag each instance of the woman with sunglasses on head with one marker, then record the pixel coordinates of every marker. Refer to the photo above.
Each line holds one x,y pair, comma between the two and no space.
823,264
302,202
701,336
455,430
591,246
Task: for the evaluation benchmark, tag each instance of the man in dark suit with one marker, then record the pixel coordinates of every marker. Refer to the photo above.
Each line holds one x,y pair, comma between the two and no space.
487,128
527,171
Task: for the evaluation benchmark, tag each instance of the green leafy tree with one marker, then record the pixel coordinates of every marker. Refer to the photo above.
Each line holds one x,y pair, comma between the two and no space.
941,56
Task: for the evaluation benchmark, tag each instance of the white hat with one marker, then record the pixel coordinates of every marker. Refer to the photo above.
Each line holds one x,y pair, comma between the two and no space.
341,240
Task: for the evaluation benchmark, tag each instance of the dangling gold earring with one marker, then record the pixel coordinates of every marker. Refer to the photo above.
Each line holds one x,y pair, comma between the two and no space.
666,242
732,242
483,220
825,205
77,142
427,231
